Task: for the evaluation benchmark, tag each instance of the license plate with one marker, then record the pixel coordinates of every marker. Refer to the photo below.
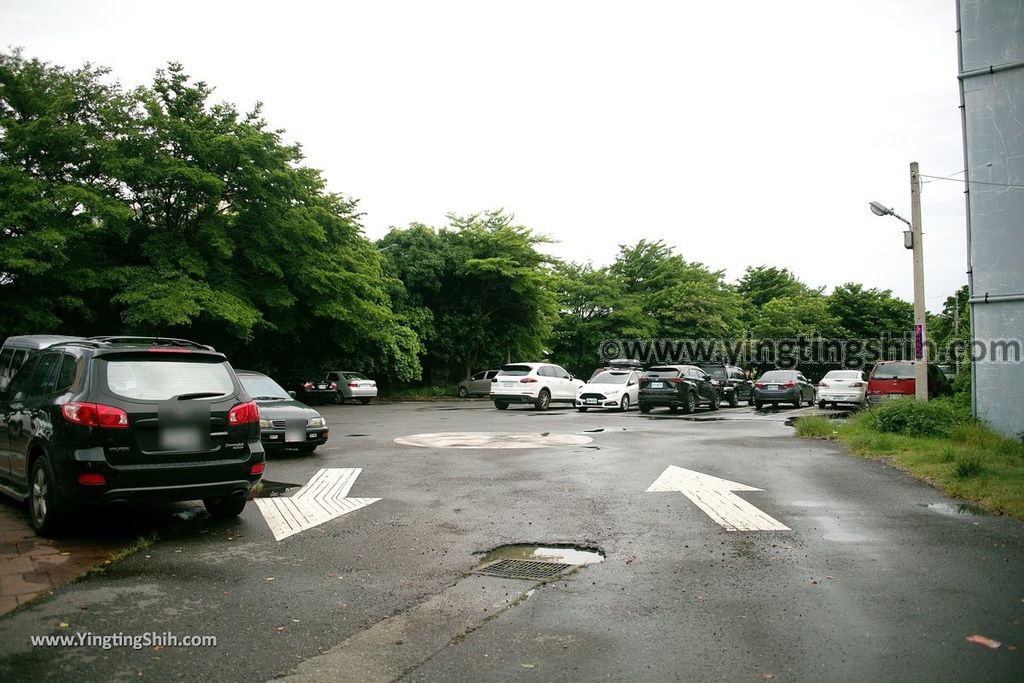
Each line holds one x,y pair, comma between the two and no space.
591,400
321,386
773,386
180,439
295,434
508,385
657,385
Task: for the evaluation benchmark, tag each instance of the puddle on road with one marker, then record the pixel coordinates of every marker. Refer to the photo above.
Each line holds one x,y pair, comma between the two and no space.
958,509
565,554
271,489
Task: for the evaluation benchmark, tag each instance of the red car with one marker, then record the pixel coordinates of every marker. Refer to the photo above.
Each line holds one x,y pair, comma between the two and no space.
896,379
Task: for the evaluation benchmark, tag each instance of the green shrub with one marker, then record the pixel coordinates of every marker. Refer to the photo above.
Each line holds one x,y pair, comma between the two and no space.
814,427
948,454
968,465
908,416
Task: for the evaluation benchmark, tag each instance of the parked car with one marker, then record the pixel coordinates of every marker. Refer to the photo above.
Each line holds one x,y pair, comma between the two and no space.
617,389
896,379
16,350
93,421
477,385
285,422
349,384
842,386
783,386
735,384
311,387
619,364
538,383
678,387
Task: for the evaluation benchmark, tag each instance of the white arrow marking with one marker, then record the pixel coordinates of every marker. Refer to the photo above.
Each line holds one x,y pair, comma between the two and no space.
319,501
716,498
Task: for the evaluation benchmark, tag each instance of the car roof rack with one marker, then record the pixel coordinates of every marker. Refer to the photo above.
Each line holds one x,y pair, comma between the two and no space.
152,341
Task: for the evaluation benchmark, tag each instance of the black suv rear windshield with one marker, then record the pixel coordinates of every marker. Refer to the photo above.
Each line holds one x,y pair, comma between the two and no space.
160,380
663,372
716,371
515,369
894,371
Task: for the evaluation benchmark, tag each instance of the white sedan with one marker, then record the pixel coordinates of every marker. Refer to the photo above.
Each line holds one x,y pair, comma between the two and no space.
842,386
617,389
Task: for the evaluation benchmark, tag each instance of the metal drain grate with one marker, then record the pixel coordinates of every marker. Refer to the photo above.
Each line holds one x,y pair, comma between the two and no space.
531,570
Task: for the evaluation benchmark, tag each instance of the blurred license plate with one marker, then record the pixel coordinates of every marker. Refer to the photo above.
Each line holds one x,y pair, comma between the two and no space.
180,439
773,386
294,433
591,400
657,385
508,384
321,386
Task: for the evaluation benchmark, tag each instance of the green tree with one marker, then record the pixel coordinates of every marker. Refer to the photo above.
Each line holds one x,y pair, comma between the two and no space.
870,313
761,284
488,289
157,212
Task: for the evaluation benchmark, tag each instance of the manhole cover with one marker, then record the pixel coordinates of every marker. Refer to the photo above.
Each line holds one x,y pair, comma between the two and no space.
531,570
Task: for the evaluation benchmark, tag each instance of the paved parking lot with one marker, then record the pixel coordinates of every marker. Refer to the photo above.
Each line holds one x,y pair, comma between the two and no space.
867,574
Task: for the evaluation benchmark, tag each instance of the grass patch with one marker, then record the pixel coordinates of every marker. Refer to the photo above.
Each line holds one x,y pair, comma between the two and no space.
814,427
963,458
141,544
419,393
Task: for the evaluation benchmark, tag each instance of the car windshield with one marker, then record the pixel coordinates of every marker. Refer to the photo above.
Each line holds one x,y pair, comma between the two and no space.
355,375
894,371
261,387
517,370
843,374
610,378
663,372
716,371
148,380
778,376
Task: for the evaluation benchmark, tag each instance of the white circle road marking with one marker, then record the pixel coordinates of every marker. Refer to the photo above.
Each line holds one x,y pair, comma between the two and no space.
492,440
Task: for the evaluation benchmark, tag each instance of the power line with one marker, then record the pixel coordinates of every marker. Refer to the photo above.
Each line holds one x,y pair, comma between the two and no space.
971,182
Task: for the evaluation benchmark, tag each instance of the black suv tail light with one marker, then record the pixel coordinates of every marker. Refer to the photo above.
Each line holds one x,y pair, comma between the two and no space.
94,415
244,413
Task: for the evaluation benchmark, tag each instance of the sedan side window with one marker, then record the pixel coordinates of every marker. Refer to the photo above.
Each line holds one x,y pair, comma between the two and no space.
490,374
478,375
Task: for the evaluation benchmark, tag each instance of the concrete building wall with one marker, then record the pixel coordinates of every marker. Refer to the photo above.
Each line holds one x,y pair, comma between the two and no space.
992,94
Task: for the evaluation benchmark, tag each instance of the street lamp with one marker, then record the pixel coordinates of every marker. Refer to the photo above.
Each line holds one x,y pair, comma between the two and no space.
912,240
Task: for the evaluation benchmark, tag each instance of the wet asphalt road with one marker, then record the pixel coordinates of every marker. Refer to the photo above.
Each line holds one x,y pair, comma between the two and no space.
870,583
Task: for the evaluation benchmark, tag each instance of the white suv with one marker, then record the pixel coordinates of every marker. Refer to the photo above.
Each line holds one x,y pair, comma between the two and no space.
536,383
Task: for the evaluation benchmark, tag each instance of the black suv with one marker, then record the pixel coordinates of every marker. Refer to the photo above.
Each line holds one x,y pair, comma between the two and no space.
106,419
679,387
734,383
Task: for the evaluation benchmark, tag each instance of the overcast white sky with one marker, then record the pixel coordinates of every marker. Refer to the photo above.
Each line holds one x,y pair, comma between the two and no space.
742,133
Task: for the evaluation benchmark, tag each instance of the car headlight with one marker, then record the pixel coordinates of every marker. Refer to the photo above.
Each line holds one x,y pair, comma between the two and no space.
264,423
315,422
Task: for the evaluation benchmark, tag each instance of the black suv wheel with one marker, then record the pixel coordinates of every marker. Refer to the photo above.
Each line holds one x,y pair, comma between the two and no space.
44,509
226,507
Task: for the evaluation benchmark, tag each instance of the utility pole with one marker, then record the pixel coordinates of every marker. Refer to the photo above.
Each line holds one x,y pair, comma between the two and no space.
920,347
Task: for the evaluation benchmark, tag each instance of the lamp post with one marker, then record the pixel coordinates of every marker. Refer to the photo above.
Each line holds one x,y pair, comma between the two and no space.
912,240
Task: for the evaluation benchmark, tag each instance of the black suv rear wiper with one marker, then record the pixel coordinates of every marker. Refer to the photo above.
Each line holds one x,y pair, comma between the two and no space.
196,394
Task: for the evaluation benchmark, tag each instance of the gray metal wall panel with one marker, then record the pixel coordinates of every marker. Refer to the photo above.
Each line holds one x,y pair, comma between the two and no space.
992,35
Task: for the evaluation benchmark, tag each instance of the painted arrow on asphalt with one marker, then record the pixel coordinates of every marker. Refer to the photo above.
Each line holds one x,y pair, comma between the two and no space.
320,500
716,498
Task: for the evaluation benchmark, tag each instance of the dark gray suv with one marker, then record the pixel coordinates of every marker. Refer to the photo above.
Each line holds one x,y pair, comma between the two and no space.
94,421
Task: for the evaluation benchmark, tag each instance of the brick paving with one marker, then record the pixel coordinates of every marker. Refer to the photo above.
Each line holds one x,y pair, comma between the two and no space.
31,565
